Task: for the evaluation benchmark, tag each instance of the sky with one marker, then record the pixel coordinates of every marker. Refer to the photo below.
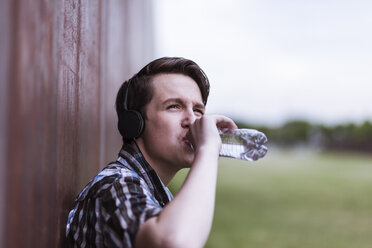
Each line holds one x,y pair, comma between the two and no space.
270,62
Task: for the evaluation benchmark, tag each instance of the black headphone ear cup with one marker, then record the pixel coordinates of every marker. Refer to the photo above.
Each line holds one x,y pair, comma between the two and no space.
131,124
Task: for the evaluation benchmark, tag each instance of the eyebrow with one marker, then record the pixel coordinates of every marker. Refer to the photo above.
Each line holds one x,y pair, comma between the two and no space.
179,101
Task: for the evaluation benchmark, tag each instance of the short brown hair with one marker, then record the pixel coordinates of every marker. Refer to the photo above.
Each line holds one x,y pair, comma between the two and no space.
141,90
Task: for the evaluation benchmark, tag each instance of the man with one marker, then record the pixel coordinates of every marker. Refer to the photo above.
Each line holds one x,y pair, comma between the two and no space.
161,118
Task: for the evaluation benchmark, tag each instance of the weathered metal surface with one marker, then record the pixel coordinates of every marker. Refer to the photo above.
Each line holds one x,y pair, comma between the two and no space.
67,60
4,77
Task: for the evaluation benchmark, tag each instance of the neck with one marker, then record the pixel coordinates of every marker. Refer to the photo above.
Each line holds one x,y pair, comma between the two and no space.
164,171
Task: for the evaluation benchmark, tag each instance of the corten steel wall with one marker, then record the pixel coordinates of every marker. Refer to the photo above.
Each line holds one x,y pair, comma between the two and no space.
62,63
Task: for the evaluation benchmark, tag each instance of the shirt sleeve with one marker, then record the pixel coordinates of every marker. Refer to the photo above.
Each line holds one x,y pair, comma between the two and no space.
129,204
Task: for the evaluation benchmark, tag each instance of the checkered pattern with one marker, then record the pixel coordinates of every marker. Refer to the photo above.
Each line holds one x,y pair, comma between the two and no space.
115,203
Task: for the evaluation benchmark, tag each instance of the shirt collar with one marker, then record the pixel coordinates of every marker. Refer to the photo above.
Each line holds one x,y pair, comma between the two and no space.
138,163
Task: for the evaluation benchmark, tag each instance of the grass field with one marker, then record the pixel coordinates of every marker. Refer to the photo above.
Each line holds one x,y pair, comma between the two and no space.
293,199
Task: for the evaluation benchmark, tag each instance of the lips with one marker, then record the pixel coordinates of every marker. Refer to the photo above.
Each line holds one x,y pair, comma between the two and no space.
187,142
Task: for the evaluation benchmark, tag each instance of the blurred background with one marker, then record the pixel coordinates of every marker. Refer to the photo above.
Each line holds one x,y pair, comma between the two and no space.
300,72
264,56
297,70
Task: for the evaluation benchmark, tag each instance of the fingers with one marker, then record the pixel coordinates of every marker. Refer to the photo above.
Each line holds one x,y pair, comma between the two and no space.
220,121
204,130
223,122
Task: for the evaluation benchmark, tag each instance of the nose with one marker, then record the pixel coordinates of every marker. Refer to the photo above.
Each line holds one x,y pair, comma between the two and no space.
188,118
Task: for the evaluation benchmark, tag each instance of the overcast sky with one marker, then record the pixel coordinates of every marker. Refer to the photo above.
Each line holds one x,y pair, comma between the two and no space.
273,61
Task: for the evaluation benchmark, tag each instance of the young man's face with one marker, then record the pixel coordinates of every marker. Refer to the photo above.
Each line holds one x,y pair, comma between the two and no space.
176,103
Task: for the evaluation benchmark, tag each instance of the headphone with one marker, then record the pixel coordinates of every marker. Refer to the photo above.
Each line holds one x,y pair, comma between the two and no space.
131,123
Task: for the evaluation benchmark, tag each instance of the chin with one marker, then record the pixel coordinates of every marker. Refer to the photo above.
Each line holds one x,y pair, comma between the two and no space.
189,161
188,156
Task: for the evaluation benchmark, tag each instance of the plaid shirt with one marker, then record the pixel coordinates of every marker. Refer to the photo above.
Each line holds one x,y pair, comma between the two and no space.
115,203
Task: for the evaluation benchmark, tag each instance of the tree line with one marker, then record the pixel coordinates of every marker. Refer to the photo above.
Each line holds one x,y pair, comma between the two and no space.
343,137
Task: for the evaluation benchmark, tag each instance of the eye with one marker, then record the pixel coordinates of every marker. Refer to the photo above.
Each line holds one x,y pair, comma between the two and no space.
173,106
199,111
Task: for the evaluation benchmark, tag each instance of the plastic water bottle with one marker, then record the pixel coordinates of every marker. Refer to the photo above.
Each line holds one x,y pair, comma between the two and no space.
244,144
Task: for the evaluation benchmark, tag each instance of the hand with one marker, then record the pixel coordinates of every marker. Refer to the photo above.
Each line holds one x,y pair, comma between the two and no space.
203,133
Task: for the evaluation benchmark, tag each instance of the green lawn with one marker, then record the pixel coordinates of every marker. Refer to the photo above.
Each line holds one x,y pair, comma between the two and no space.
293,199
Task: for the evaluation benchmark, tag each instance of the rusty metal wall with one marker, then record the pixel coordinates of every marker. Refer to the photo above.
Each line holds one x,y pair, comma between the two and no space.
4,69
63,63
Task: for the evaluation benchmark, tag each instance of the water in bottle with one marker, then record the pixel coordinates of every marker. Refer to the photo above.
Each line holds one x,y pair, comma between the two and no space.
244,144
